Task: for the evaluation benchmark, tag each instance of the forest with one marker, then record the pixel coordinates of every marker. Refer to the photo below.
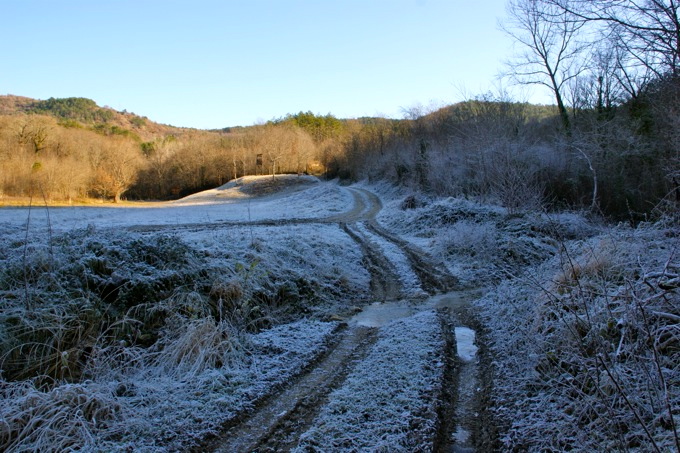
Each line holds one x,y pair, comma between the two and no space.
621,161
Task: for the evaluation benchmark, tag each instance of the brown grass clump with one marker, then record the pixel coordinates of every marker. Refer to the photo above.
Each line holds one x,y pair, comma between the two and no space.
62,419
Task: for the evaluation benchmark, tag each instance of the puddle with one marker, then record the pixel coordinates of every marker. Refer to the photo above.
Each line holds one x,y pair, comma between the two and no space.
465,344
461,435
378,314
453,300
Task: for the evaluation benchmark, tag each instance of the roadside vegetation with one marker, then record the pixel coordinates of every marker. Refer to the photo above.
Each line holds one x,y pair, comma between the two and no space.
580,317
120,340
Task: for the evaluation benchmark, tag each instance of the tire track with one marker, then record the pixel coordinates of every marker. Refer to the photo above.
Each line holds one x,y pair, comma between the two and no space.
279,420
385,283
276,425
433,277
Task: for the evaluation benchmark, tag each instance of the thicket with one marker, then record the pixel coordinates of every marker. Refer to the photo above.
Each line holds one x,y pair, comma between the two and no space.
623,163
81,109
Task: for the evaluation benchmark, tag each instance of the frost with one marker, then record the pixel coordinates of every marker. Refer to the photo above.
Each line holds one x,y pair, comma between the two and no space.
158,313
409,280
158,407
579,348
387,402
146,329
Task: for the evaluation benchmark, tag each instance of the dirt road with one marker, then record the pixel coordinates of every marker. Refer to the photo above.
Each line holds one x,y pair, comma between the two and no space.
404,281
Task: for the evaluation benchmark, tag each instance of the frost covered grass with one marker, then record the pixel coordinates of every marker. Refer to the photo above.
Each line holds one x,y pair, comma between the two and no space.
120,340
317,200
112,341
388,402
583,320
480,244
307,261
587,346
164,401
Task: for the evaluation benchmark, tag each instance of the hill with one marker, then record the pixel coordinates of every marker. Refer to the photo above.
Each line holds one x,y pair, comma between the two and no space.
78,112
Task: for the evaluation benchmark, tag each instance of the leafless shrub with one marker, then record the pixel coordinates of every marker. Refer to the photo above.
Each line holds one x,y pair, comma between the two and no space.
513,181
595,348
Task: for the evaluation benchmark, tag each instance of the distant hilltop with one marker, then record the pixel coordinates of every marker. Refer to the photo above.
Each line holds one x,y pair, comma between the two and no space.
79,112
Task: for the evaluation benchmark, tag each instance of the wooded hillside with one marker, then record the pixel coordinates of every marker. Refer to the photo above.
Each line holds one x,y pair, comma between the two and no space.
621,161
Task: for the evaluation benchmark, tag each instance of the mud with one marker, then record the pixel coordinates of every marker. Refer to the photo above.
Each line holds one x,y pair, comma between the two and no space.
278,422
465,423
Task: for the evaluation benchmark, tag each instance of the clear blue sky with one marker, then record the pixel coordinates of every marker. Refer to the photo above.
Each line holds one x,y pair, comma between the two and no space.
211,63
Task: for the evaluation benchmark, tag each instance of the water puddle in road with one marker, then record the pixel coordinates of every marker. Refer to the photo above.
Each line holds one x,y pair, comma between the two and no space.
378,314
457,302
465,344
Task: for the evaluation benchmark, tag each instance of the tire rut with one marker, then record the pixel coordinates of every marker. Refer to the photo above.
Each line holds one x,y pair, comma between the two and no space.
278,423
279,420
434,278
466,422
385,283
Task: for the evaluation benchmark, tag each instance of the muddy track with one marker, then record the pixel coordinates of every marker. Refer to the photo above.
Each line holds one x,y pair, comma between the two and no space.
446,410
466,421
384,280
280,419
433,277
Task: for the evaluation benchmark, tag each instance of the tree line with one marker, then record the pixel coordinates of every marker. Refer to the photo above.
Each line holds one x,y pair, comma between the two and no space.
610,144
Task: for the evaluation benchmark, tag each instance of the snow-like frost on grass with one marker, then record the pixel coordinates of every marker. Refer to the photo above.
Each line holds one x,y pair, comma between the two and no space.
322,199
388,401
582,346
480,244
198,368
320,254
148,409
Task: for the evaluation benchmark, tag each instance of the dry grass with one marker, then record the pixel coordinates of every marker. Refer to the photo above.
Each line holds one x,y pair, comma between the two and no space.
189,347
65,418
594,347
13,201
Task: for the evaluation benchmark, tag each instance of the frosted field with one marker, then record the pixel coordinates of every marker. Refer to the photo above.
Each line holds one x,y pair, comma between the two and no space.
579,320
146,398
310,199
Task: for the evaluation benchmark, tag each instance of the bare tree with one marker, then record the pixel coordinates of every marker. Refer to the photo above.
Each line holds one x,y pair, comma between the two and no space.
648,30
304,149
158,154
274,146
33,132
551,53
116,169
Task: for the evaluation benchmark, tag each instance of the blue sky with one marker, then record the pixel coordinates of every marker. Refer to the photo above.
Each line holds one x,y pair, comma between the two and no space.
211,64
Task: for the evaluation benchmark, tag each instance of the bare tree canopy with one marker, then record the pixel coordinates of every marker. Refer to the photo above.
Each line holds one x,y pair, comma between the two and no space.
648,30
550,52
